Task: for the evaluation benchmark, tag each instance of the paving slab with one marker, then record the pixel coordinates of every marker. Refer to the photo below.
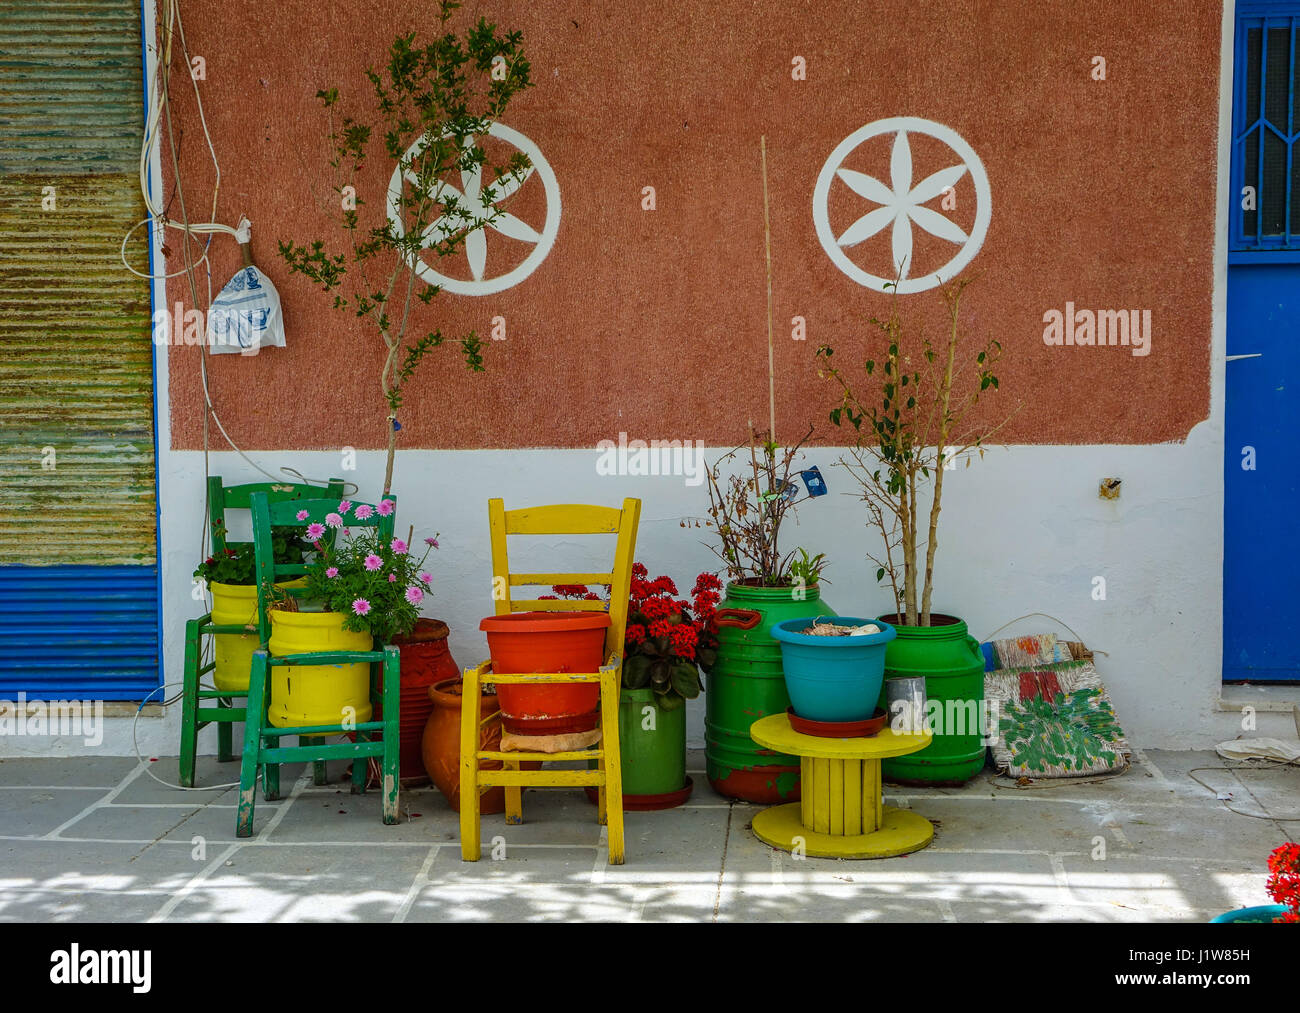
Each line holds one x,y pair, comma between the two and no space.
34,812
72,771
288,882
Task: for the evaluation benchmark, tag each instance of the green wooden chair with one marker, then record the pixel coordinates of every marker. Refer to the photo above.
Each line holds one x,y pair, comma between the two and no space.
202,706
263,748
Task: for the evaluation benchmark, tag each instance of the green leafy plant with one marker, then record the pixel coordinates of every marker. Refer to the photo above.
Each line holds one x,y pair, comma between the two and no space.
807,570
376,583
235,564
442,94
747,510
911,413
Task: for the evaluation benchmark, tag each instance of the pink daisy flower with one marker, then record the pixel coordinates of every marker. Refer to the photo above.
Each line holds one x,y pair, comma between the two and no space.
392,578
333,571
314,531
302,515
431,541
386,507
425,578
364,511
399,546
414,595
345,506
361,606
334,520
373,562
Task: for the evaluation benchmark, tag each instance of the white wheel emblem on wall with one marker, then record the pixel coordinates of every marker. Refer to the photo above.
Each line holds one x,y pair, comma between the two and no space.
902,204
470,195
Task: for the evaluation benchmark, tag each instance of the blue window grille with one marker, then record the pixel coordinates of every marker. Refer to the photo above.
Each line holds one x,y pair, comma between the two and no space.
1265,218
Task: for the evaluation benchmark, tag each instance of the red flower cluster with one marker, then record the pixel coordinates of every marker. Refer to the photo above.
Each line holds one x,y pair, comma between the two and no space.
681,628
1284,880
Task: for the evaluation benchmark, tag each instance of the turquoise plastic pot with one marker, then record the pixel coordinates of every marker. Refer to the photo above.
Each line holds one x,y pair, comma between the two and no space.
1262,913
833,678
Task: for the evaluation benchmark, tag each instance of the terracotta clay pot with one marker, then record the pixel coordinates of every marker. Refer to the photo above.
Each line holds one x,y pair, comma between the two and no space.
441,745
425,661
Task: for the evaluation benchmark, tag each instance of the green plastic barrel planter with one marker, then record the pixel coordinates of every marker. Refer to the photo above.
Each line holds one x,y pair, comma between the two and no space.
953,667
748,683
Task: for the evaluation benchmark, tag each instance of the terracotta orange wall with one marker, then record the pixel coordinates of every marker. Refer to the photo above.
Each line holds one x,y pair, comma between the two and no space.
654,322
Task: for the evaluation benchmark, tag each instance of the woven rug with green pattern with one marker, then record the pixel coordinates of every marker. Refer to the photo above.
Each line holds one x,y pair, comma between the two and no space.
1055,718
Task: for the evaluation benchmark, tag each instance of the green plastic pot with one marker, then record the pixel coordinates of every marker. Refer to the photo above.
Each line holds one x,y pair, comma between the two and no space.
950,661
653,744
748,683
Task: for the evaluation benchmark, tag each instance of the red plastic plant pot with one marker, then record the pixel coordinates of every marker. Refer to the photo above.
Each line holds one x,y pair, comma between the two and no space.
523,642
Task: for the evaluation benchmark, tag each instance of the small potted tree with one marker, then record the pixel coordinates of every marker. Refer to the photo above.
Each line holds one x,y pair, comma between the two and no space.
911,410
433,105
765,586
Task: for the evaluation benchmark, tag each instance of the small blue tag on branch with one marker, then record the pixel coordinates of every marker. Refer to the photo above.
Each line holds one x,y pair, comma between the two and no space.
813,481
397,426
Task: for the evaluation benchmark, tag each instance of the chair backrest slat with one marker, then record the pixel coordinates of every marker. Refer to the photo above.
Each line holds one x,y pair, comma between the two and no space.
237,497
268,515
567,519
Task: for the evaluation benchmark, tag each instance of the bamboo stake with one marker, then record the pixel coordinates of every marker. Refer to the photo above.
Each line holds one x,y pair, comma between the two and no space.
767,242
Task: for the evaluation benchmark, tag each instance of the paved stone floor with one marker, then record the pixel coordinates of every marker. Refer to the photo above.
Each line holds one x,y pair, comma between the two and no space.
98,839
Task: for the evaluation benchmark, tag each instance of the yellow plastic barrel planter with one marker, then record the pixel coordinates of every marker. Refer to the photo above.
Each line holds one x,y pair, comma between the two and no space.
317,694
236,605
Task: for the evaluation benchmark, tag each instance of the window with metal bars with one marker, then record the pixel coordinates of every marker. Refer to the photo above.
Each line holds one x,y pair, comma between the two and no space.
1266,129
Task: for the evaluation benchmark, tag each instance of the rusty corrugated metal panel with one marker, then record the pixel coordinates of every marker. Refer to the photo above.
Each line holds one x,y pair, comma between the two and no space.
70,86
75,375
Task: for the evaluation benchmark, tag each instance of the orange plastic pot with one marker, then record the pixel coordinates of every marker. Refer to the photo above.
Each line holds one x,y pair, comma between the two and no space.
523,642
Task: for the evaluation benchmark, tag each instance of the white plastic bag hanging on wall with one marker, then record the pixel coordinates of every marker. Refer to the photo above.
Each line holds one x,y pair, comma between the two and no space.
245,316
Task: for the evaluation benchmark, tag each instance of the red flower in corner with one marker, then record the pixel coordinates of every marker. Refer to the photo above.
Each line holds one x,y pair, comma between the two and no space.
1284,880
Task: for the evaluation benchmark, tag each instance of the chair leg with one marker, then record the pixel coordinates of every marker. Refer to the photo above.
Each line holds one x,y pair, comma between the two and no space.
360,767
319,775
514,797
271,781
255,713
469,744
225,735
610,678
190,704
390,784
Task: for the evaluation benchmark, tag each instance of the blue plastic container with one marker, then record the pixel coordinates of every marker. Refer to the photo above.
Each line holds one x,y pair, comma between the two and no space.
1262,913
833,678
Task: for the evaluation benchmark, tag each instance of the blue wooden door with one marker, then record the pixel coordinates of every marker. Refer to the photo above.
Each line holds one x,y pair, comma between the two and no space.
1261,551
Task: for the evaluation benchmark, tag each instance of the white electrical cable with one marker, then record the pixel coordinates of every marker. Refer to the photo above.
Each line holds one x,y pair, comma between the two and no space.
152,133
136,746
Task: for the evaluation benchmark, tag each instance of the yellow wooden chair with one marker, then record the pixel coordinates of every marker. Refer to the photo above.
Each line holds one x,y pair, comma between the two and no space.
567,519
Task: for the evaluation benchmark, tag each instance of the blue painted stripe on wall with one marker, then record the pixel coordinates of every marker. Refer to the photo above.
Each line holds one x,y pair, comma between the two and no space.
85,632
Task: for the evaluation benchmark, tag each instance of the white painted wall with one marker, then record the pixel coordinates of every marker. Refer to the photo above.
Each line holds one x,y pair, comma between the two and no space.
1023,531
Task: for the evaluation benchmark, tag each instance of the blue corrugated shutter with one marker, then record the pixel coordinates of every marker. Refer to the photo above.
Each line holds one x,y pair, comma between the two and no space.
78,631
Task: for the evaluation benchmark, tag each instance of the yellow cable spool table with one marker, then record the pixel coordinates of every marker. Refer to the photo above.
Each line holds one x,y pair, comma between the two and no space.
842,812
